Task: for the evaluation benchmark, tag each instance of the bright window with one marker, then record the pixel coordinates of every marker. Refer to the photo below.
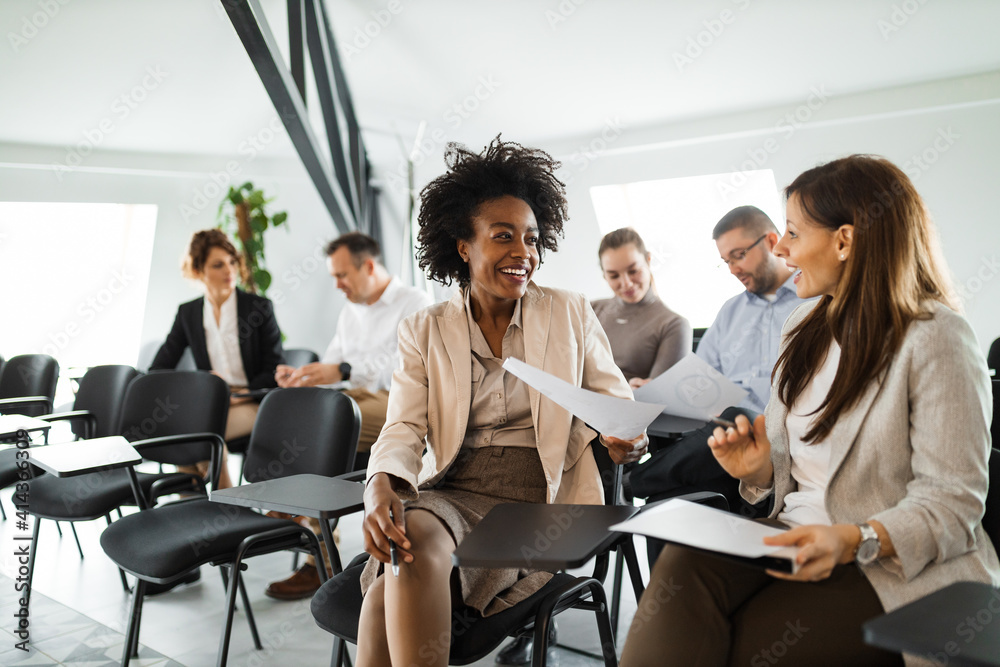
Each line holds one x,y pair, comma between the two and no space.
74,279
675,218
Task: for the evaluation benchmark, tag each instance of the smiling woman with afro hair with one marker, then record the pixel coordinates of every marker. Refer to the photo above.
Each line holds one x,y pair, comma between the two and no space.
450,201
489,439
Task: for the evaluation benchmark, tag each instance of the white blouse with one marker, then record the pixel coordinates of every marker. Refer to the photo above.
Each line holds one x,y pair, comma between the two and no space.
810,462
223,342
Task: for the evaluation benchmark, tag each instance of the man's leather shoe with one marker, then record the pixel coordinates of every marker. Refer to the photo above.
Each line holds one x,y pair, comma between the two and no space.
302,584
189,578
518,652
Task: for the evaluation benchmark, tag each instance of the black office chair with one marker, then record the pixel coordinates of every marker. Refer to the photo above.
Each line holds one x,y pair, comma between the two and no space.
299,356
336,607
698,334
301,430
168,403
993,357
96,414
28,385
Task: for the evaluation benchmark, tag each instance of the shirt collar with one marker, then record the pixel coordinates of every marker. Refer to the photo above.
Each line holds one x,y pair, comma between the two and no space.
786,288
515,320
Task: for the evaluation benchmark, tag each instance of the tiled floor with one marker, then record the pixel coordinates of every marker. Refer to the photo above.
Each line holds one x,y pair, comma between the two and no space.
79,609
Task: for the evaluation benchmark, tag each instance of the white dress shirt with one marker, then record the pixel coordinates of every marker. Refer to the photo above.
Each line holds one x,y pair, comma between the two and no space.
223,342
366,335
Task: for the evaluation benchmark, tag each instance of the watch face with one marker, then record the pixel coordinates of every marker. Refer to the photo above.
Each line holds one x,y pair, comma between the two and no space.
868,551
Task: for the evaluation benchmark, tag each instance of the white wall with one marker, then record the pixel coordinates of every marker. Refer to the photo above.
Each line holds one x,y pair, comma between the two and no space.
959,186
306,300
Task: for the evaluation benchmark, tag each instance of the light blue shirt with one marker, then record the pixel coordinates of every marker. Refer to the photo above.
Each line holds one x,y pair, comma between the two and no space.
742,343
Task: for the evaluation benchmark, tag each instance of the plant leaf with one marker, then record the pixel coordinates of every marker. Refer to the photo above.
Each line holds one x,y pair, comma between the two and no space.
263,279
279,218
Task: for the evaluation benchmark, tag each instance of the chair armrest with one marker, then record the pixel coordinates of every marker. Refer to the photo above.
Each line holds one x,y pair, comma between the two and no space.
353,476
214,438
166,485
86,416
6,404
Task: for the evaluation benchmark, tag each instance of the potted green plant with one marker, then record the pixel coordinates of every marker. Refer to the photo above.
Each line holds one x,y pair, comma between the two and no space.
243,217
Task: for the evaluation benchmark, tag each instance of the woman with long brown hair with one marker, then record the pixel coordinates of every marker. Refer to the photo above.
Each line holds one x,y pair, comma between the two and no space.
874,445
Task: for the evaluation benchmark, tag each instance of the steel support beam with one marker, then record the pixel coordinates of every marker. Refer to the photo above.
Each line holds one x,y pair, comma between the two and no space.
248,19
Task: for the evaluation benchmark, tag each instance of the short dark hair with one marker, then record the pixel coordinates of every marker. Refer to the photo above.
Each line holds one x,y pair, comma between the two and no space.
449,203
621,237
749,218
361,246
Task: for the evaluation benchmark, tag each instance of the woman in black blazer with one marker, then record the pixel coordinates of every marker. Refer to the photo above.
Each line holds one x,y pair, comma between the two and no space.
231,333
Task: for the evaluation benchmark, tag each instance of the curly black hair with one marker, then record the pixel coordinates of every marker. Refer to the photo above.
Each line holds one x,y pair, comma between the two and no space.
450,202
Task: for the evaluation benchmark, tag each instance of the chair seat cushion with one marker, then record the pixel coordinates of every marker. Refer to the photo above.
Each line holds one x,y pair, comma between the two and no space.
165,541
88,496
336,607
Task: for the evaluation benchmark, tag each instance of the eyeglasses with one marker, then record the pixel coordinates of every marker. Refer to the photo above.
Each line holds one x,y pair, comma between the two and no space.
740,253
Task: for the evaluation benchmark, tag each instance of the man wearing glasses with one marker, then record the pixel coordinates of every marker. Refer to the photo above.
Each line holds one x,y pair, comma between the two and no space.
742,344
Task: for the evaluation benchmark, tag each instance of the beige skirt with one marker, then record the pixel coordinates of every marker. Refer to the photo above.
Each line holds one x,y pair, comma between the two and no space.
478,480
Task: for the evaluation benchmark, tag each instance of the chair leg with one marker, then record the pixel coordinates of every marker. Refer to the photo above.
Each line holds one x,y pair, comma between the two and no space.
132,634
604,629
31,559
121,572
632,561
616,589
540,648
3,511
250,619
235,581
72,526
59,529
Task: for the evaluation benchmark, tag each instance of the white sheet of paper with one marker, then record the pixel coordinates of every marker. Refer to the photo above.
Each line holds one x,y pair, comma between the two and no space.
610,415
691,388
695,525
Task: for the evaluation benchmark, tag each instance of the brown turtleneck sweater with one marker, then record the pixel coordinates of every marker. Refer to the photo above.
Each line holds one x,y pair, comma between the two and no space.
646,337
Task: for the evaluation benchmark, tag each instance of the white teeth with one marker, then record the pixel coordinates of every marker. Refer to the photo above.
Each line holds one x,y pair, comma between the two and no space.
515,272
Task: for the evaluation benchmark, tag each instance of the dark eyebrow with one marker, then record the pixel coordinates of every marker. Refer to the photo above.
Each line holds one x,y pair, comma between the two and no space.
507,225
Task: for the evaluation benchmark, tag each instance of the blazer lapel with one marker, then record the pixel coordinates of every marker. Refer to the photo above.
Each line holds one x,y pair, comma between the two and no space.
845,432
242,316
536,314
196,339
455,337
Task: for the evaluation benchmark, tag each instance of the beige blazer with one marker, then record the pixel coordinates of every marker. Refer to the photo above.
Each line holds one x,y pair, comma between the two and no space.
912,454
431,392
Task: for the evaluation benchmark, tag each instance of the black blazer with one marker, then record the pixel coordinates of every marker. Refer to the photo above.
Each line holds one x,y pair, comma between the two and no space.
260,339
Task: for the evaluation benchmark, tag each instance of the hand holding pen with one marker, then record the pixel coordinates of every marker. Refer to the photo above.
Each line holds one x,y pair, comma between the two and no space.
383,527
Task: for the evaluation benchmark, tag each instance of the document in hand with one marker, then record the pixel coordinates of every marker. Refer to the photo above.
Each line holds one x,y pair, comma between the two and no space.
694,525
690,389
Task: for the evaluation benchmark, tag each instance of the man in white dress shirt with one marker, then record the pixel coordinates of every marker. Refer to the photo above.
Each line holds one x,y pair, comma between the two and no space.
362,355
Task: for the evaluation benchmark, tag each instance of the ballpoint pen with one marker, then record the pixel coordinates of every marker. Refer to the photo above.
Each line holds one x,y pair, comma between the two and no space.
724,423
393,555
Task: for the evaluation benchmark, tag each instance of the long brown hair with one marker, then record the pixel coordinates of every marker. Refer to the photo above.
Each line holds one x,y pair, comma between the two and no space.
894,267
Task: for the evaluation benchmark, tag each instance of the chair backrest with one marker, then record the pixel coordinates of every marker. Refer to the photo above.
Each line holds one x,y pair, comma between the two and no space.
175,403
102,392
298,356
696,337
993,357
303,430
991,520
30,375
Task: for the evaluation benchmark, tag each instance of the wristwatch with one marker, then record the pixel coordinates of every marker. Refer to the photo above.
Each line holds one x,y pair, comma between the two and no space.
869,547
345,371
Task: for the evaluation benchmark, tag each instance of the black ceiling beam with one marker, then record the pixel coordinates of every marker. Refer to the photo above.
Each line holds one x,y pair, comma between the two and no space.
296,57
321,55
359,158
248,19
